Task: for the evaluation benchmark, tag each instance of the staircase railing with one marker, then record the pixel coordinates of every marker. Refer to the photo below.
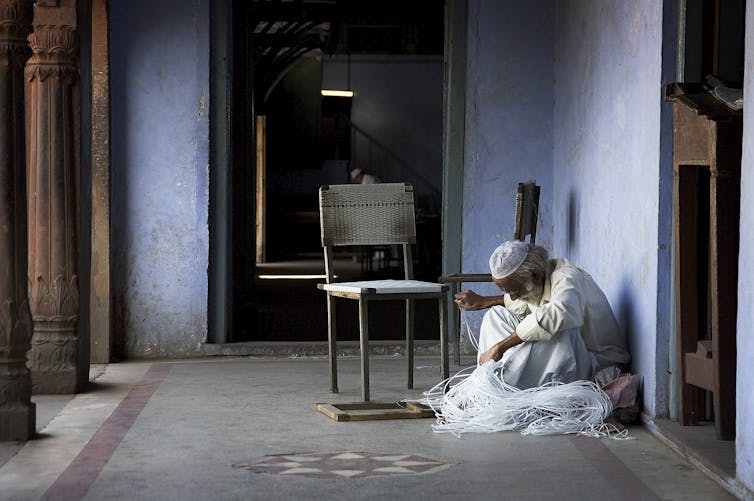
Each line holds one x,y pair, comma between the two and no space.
389,166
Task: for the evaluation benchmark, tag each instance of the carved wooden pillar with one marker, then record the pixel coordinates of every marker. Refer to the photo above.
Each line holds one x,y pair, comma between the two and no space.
17,412
52,155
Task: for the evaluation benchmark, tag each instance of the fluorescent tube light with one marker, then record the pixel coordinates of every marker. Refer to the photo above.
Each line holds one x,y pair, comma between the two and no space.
291,277
337,93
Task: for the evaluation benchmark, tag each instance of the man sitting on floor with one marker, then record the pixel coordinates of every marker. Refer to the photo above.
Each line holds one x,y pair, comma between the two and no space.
552,323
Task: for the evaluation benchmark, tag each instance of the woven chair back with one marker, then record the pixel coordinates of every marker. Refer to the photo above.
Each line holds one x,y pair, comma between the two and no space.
367,214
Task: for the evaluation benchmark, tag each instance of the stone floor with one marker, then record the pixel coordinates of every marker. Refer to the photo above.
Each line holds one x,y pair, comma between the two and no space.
246,428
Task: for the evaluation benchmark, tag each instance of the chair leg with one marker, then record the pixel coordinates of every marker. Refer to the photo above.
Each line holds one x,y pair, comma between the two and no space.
444,362
364,338
410,341
331,344
454,327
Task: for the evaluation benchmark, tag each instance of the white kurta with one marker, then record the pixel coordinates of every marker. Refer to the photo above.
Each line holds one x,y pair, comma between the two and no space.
569,335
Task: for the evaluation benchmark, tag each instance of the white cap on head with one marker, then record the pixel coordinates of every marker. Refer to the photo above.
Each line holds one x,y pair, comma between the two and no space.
355,173
507,258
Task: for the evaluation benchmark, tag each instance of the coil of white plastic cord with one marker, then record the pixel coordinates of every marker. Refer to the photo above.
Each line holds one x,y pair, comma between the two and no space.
478,400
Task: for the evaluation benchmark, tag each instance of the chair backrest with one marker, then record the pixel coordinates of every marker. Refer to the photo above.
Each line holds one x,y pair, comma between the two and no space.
527,208
367,214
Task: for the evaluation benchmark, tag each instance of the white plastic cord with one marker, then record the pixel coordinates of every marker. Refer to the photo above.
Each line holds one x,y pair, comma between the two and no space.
472,339
478,400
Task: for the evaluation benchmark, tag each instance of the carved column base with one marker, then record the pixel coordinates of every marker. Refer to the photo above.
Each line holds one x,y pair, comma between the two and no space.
52,361
17,412
54,383
18,424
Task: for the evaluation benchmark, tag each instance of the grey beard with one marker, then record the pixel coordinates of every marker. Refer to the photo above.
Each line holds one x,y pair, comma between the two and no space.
533,294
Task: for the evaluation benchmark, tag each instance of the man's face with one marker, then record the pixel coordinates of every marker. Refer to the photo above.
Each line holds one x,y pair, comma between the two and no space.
529,291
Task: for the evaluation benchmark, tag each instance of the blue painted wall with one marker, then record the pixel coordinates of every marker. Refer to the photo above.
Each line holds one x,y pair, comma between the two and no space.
607,162
745,327
570,94
159,80
509,127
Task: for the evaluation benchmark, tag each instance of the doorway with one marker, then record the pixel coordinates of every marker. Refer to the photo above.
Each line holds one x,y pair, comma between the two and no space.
289,139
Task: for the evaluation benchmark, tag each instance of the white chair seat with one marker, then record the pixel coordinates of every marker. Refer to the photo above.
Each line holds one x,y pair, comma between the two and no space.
384,287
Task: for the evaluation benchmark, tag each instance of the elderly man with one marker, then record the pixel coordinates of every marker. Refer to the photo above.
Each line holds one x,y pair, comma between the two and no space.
358,176
552,323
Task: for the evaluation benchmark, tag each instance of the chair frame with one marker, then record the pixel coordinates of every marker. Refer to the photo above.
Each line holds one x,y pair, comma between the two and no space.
525,223
347,218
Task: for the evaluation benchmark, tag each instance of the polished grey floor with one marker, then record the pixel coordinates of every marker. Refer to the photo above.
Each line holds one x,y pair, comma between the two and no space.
246,428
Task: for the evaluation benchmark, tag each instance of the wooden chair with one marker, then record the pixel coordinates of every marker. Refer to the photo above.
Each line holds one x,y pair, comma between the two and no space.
376,214
525,223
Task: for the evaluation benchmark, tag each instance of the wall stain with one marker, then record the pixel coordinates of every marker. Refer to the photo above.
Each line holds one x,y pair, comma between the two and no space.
202,105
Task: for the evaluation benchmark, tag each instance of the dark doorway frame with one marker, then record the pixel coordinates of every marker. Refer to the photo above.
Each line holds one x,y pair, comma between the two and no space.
232,159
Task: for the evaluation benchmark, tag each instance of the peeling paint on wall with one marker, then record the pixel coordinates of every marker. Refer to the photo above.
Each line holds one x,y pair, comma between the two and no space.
160,175
202,105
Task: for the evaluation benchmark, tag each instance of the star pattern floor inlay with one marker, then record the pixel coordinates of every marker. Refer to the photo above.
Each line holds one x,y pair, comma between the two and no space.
345,464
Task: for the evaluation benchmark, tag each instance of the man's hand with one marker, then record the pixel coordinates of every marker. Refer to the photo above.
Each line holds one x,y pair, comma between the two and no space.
495,353
470,301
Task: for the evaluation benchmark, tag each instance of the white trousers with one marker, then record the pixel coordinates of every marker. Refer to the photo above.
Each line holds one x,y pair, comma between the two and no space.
563,358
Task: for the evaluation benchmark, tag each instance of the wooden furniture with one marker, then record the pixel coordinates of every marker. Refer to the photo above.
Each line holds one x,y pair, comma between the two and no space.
369,411
374,214
706,197
525,223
